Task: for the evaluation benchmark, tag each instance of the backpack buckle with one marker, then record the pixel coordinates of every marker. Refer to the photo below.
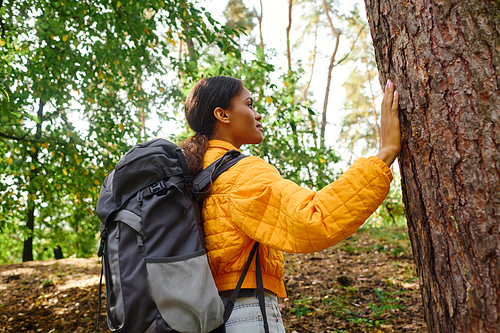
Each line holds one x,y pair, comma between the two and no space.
233,153
156,187
189,182
104,236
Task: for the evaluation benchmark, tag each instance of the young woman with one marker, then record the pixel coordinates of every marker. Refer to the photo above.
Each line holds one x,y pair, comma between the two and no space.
252,202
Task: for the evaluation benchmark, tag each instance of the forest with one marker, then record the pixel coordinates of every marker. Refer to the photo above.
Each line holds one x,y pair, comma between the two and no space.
84,81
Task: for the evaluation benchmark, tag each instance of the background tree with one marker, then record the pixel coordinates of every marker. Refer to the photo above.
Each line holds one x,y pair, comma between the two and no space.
110,63
443,57
238,15
360,130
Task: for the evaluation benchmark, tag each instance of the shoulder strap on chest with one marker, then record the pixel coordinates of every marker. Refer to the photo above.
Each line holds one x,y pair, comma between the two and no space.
203,182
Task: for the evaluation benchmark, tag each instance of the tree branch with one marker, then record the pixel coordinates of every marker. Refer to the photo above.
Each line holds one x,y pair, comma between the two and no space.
260,25
352,47
11,137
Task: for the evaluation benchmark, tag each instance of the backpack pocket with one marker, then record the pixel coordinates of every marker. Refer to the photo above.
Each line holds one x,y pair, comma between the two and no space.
114,297
185,292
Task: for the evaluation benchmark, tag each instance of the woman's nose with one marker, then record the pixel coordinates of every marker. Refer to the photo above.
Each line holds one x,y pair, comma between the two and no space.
258,117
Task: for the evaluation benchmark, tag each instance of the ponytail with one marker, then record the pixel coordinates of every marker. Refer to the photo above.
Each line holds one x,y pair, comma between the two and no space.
203,99
194,149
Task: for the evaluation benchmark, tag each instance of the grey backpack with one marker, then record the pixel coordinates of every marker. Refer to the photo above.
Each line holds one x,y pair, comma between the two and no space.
155,265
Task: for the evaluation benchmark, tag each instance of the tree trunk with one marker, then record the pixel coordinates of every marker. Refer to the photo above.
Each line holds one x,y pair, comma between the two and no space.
313,63
336,33
444,57
31,206
288,51
261,45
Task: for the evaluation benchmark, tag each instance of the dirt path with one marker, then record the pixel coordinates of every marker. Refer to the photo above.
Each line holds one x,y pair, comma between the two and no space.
367,283
364,284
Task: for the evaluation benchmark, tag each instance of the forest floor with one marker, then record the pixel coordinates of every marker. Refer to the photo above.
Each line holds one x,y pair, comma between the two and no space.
366,283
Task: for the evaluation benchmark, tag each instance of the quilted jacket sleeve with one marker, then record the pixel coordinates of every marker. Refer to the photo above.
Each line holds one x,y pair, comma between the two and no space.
294,219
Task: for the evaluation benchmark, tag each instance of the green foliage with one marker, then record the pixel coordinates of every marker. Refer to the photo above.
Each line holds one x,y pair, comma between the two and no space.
391,211
79,81
46,283
343,306
240,16
302,307
390,240
386,301
109,63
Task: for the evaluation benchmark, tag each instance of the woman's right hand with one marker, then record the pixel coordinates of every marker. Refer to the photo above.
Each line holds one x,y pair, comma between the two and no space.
391,132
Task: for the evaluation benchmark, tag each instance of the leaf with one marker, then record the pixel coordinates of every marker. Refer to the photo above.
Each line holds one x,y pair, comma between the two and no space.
34,118
118,4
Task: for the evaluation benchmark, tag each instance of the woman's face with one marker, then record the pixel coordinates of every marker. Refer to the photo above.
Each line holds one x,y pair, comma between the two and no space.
244,126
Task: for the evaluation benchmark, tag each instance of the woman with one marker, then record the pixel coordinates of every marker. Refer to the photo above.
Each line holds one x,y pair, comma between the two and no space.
252,202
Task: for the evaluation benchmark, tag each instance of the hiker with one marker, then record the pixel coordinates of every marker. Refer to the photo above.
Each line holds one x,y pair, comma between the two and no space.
252,202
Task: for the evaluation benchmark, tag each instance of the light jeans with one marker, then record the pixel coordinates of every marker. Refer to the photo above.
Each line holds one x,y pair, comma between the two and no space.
247,318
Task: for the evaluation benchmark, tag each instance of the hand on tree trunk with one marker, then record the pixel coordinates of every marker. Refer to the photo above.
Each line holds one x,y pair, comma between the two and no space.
391,132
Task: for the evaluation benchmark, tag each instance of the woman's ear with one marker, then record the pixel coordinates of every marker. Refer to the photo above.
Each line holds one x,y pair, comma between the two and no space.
222,115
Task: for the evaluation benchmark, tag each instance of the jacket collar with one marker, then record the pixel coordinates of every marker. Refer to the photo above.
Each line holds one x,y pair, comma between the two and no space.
221,145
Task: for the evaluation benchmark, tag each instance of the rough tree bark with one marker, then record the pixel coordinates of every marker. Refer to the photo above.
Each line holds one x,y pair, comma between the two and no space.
444,57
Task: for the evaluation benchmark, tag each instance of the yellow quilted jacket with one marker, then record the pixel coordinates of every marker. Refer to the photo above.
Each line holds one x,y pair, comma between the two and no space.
251,201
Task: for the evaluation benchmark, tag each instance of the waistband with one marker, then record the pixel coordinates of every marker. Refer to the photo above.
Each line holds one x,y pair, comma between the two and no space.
245,292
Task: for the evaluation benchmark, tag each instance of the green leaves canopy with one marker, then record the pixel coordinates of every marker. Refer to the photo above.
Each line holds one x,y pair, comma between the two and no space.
78,80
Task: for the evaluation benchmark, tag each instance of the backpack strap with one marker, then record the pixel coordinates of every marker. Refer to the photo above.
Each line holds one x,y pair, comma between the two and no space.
260,287
188,179
236,291
260,291
206,177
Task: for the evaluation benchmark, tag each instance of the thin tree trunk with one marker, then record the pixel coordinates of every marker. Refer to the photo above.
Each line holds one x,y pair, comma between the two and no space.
190,45
291,88
288,51
336,33
31,206
444,59
312,121
313,62
261,45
